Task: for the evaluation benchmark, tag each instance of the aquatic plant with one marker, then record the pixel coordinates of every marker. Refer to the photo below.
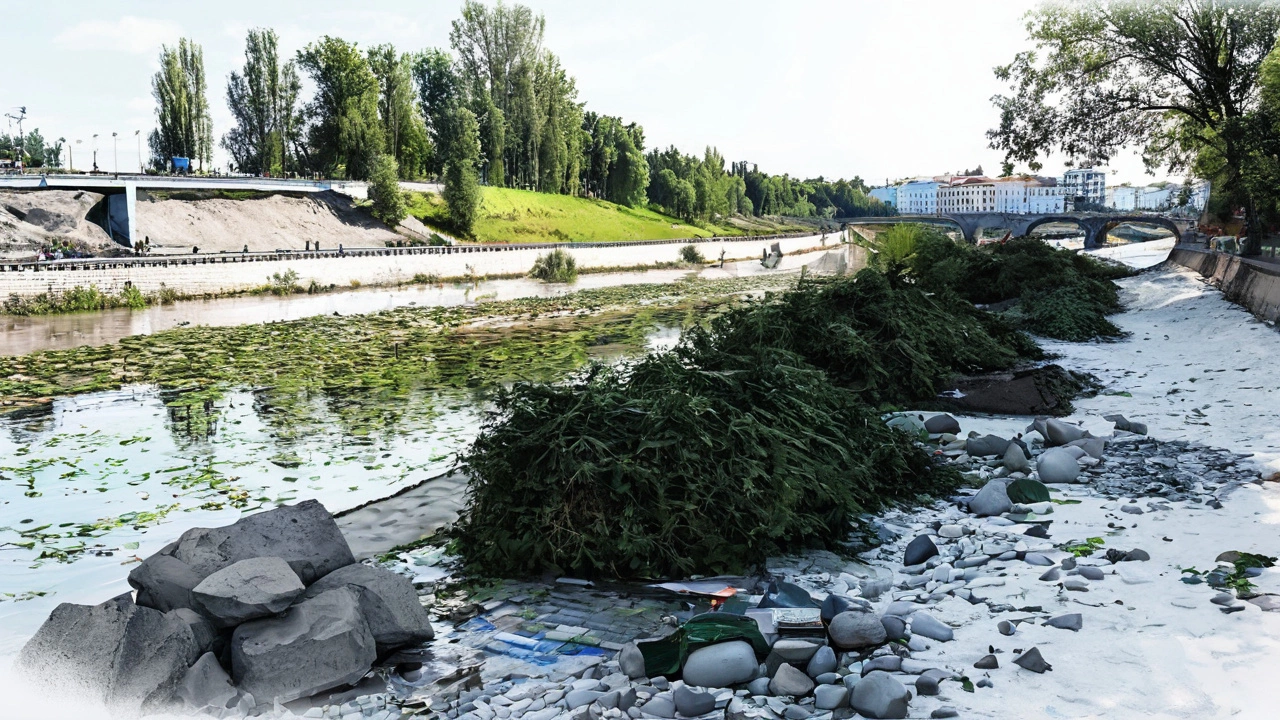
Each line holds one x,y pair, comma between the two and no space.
557,266
691,255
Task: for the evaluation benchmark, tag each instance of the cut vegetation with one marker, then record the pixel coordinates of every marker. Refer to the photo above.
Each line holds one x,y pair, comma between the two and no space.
521,216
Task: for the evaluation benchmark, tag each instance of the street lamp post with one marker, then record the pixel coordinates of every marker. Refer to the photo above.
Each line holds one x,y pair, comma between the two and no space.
95,152
115,153
137,135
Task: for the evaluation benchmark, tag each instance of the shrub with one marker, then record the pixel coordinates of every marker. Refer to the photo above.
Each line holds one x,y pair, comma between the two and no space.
686,461
557,266
132,297
384,190
691,255
285,283
167,295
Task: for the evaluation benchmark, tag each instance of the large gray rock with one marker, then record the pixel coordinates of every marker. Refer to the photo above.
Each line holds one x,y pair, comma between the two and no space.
992,499
129,657
830,697
918,550
304,535
1056,465
1093,447
247,590
822,662
943,423
986,445
692,703
389,603
164,582
721,665
790,681
1016,460
320,643
879,695
1057,432
931,627
205,634
631,661
854,629
206,684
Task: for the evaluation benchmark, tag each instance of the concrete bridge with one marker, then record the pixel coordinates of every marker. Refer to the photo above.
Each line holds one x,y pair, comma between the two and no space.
1094,225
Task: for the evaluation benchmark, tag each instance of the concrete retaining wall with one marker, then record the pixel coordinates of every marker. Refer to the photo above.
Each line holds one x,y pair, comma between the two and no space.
1252,283
230,273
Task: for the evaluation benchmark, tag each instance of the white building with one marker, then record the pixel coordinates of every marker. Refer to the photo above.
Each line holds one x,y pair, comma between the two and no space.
1026,194
1085,185
887,195
1155,197
967,195
1199,195
1122,197
918,197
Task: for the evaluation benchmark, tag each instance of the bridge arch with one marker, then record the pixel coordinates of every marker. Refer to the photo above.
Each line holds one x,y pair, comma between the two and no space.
945,221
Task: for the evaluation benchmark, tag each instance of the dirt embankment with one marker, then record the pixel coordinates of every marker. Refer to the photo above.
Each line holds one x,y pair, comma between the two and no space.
174,223
32,219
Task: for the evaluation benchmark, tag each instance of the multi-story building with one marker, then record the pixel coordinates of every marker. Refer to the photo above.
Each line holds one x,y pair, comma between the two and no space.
967,194
1199,195
1122,197
1027,194
918,197
1156,197
887,195
1084,186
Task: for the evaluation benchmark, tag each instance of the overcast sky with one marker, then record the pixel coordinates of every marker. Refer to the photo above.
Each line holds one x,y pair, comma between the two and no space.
837,88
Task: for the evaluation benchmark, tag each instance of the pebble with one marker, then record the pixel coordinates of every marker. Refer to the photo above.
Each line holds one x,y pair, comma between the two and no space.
945,712
830,697
790,681
930,627
951,531
1072,621
1005,627
1077,584
987,662
823,661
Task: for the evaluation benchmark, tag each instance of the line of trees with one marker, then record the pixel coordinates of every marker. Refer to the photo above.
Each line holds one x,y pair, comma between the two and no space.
496,108
31,150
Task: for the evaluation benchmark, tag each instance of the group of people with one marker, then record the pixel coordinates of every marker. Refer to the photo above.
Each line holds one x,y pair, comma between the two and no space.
61,250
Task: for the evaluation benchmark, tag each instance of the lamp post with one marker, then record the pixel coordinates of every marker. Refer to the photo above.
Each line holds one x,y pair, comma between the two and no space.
95,152
137,135
115,154
71,158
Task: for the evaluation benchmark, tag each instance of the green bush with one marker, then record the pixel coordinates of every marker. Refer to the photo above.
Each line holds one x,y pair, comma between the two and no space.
389,204
876,334
691,255
686,461
1061,294
285,283
132,297
557,266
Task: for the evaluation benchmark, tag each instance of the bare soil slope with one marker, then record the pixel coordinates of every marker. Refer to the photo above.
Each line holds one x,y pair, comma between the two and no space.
267,223
34,218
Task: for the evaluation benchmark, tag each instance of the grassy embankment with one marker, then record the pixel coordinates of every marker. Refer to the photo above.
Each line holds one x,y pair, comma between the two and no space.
522,216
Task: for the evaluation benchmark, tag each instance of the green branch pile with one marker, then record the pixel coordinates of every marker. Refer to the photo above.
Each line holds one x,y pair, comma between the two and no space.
1059,293
686,461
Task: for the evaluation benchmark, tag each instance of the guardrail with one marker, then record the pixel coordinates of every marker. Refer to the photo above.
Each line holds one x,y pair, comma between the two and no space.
281,255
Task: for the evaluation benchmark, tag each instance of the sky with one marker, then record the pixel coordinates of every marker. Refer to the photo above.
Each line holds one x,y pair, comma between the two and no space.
834,88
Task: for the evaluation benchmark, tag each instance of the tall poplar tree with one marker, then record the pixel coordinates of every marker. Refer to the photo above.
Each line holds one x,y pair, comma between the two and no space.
184,126
263,98
344,131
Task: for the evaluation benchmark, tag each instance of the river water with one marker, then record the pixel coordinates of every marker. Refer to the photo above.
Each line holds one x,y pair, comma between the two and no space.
23,335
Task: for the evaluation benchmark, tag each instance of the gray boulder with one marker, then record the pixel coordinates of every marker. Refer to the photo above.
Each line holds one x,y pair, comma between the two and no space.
931,627
692,703
918,550
389,603
822,662
1057,465
854,629
304,535
631,661
1057,432
247,590
790,682
129,657
205,634
830,697
164,582
206,685
1093,447
1070,621
879,695
721,665
1016,460
320,643
895,628
944,423
835,604
986,445
1033,661
795,650
992,499
887,663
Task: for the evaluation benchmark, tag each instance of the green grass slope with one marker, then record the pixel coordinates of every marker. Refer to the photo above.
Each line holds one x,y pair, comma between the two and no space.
522,216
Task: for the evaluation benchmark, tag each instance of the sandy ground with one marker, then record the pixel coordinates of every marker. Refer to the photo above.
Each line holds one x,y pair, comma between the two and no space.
29,220
270,223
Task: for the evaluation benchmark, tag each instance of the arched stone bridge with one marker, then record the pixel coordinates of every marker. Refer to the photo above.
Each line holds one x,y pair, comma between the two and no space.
1094,225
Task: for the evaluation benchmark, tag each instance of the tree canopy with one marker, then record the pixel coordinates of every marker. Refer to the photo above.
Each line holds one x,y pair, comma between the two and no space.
1177,78
263,98
184,127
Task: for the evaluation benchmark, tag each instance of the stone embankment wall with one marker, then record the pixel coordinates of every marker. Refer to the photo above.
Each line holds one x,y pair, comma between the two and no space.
1255,284
233,272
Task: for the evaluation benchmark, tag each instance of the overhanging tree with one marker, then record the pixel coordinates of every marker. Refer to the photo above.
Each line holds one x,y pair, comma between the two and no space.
1176,77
